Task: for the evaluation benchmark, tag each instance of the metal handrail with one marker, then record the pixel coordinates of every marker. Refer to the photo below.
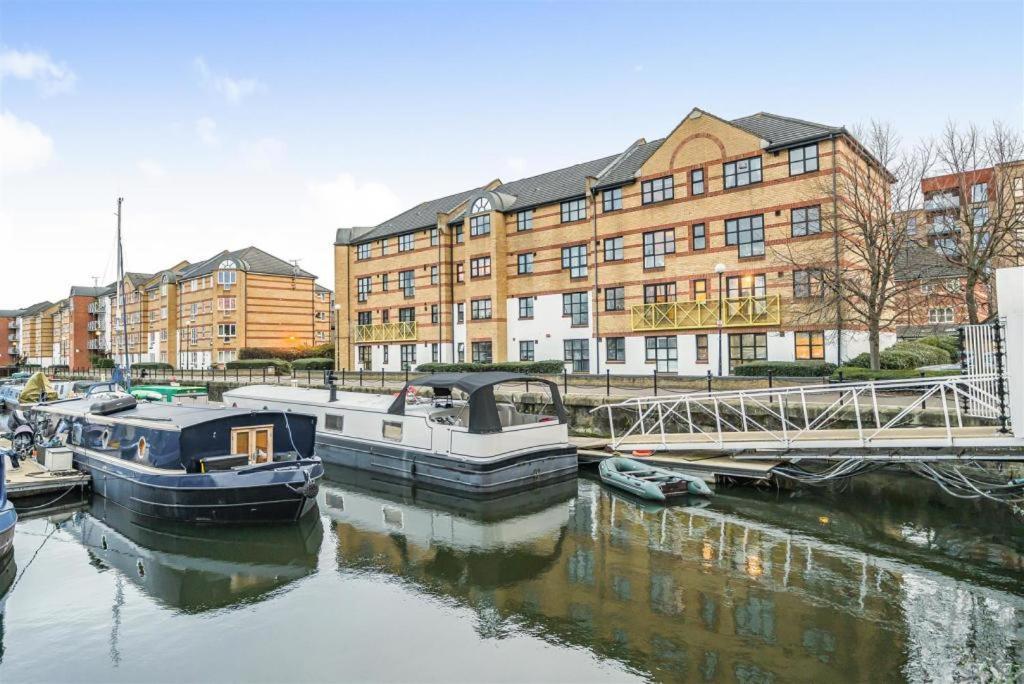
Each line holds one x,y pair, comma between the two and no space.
736,312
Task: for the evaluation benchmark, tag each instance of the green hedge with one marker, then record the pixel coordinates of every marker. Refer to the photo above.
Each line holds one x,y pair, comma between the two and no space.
101,362
947,342
853,373
279,365
904,355
322,351
313,364
786,368
151,365
534,367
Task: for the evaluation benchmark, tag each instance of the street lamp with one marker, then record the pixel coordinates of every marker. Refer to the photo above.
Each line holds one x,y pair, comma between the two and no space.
720,269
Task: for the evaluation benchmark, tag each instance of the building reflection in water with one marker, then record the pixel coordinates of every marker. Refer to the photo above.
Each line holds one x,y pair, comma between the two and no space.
695,592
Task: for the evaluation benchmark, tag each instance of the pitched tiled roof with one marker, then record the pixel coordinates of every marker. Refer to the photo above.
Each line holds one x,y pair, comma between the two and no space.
922,263
36,308
623,169
251,260
781,131
320,288
138,279
10,313
82,291
553,185
423,215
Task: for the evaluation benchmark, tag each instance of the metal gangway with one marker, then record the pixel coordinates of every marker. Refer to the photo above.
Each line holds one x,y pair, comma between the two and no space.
970,415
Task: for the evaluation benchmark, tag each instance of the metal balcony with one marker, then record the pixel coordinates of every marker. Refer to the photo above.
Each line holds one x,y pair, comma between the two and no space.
737,312
401,331
941,202
12,325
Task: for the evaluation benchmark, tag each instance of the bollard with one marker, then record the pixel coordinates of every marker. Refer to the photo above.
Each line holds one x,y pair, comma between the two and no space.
565,381
407,375
342,377
655,381
709,382
360,377
381,377
841,375
607,382
264,375
771,386
924,401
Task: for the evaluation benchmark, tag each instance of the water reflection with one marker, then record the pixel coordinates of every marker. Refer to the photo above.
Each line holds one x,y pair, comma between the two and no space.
195,569
695,592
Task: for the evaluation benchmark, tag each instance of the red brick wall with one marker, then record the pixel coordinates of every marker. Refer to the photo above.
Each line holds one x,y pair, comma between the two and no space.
5,344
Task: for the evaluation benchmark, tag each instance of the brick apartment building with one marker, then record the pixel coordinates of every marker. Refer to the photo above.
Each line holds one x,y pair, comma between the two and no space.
625,263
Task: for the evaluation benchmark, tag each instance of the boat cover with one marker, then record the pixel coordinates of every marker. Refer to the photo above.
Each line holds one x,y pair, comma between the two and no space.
483,410
34,388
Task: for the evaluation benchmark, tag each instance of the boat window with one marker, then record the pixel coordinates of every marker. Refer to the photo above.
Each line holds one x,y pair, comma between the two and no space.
334,422
392,430
256,442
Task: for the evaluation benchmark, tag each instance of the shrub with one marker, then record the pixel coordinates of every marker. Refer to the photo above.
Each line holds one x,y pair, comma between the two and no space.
904,355
323,351
313,364
101,362
854,373
280,366
534,367
947,342
786,368
151,365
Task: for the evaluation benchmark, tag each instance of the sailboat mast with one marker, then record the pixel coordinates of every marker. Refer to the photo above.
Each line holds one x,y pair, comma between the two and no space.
121,297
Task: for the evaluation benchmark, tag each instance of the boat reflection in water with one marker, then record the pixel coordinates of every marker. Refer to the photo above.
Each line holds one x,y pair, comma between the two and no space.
197,568
688,592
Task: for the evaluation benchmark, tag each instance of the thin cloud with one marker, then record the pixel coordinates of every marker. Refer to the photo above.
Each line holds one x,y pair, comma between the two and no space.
234,90
206,129
150,168
49,76
25,147
262,154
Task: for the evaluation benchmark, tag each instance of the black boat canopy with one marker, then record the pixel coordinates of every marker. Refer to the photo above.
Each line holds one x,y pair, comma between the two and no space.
483,410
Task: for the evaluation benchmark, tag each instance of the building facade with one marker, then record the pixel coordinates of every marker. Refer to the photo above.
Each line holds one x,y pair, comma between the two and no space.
11,326
652,258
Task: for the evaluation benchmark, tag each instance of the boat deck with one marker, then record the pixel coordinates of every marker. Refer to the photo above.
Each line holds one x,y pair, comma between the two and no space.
32,480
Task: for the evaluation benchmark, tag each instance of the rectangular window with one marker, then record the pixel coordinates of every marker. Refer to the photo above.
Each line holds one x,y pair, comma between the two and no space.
657,190
407,356
807,283
699,290
435,313
941,314
435,237
435,275
526,350
480,309
701,345
226,278
656,245
362,289
480,225
615,349
524,263
980,216
575,259
614,298
461,352
746,347
362,252
611,200
663,352
524,220
460,235
697,182
742,172
575,306
577,352
406,283
435,352
659,292
525,308
225,330
979,192
613,249
405,242
364,318
809,345
574,210
699,236
460,272
223,304
482,352
385,315
480,267
383,246
383,282
746,286
806,221
747,233
803,159
407,314
334,422
460,316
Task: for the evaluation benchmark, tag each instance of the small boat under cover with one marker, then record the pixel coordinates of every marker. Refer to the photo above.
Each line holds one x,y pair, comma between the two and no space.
648,481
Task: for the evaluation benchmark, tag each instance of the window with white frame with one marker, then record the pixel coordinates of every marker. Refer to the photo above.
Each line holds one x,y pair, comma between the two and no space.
481,204
657,244
742,172
803,159
226,303
979,192
227,278
941,314
225,330
657,190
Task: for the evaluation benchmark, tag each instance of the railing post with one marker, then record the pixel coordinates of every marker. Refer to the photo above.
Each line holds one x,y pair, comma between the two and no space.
360,377
264,375
607,382
962,339
342,377
655,379
1000,379
709,381
381,377
565,381
771,385
924,399
407,375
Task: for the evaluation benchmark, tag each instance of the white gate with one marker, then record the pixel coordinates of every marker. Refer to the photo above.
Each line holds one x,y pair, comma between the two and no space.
983,353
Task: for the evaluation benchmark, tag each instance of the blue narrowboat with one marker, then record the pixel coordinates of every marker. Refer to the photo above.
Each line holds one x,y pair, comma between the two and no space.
8,517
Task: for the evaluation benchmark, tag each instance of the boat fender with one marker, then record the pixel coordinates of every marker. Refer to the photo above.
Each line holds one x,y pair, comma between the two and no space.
308,489
643,452
105,408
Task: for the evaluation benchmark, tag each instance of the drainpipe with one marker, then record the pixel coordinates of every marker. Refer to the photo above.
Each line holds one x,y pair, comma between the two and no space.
440,297
835,249
597,307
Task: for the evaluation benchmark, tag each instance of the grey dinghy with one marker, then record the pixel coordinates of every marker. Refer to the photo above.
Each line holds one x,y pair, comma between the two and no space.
648,481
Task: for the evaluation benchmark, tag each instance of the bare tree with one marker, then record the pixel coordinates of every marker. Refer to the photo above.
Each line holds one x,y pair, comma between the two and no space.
873,195
980,194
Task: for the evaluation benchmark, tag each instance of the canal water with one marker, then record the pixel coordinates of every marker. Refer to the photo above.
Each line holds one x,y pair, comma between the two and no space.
886,581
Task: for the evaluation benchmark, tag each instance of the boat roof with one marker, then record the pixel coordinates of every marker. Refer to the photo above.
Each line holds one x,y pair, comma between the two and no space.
157,415
471,382
311,396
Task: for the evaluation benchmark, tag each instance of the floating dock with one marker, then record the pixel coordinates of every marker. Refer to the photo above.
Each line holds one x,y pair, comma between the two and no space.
32,480
708,466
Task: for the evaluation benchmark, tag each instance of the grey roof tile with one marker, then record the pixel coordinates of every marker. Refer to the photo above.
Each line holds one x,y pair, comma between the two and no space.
781,131
10,313
82,291
251,259
423,215
553,185
917,262
623,170
36,308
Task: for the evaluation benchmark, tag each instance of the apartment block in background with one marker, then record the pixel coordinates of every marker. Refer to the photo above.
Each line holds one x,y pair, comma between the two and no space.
10,326
625,263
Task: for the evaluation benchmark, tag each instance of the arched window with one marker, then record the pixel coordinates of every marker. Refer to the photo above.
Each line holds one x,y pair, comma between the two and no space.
226,275
480,205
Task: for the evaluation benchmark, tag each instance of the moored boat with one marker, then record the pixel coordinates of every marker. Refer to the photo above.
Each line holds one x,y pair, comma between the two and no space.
648,481
461,438
192,464
8,516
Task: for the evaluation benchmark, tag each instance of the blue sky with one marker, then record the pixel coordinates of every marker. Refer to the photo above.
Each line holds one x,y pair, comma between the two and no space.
272,124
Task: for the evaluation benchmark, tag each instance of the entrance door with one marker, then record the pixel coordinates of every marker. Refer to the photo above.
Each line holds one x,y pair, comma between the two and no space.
256,442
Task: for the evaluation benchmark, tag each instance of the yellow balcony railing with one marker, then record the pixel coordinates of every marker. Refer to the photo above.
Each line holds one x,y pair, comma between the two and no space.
400,331
737,312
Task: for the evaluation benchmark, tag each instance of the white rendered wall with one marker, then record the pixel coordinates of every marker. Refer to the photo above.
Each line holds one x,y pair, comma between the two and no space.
548,329
1010,293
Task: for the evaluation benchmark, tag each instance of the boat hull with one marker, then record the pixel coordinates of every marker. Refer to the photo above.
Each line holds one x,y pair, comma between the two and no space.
281,494
8,518
437,471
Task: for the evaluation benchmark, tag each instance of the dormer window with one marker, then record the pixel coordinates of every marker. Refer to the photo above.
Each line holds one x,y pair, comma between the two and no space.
481,205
